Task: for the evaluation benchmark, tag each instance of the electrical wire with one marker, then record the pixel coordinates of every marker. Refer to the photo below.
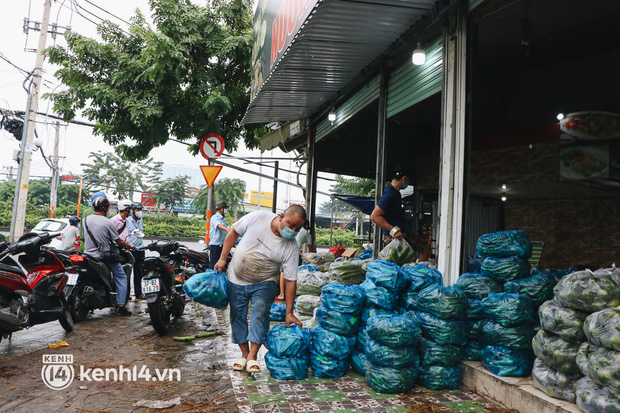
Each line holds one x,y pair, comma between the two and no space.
94,15
111,14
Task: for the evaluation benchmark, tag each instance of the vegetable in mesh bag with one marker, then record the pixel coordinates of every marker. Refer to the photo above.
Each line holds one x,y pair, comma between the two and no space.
336,322
313,258
421,276
369,312
503,361
505,269
331,344
389,379
589,291
539,287
433,354
349,273
556,351
475,310
394,330
600,364
517,337
475,329
603,328
379,297
554,382
325,366
399,252
476,286
347,299
208,288
358,361
509,309
387,275
442,331
311,282
397,357
472,350
563,321
504,244
447,303
361,338
285,341
287,368
440,377
305,304
592,398
277,312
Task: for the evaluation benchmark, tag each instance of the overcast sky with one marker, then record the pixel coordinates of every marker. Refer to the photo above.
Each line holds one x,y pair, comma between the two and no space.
76,142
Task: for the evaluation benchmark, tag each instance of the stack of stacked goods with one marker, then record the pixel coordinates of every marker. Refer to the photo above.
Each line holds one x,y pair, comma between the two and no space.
333,339
562,348
347,272
287,358
305,306
440,313
539,287
208,288
319,260
476,287
418,278
391,353
399,252
310,280
599,360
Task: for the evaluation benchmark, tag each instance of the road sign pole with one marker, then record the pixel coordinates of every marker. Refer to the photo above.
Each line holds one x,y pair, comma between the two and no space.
208,224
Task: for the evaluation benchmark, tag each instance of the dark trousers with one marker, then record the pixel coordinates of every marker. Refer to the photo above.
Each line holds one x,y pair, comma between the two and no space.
138,255
215,252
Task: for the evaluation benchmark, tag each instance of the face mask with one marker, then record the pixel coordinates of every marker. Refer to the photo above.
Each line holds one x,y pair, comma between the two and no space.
404,186
138,214
225,211
287,233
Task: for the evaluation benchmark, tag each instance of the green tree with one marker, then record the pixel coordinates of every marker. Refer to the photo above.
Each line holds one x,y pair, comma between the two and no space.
115,175
187,76
170,191
228,189
68,195
7,191
39,192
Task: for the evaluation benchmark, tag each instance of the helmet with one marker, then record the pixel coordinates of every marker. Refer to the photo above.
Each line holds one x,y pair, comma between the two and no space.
74,220
124,204
136,205
221,204
96,195
101,203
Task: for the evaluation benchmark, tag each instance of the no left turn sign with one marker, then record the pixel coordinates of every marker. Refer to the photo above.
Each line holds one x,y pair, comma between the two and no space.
212,146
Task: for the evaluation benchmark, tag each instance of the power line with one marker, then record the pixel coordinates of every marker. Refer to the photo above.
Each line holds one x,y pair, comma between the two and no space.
111,14
93,14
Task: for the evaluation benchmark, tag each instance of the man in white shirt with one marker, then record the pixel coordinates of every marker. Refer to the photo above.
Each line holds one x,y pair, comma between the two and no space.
218,232
70,235
268,243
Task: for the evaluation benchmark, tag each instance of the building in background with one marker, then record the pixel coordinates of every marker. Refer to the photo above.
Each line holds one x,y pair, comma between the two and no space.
196,179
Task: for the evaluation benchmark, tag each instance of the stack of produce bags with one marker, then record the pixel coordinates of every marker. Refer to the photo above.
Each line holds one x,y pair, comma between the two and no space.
319,260
418,278
334,337
440,314
347,272
287,358
391,353
305,307
310,280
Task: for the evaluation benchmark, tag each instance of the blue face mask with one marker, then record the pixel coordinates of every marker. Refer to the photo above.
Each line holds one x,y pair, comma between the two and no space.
404,186
287,233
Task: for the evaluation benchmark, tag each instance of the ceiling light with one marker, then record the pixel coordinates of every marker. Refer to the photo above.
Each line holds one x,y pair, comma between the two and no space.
419,56
504,198
560,116
332,116
503,186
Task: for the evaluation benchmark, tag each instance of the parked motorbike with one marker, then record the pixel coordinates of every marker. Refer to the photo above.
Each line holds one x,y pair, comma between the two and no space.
33,296
91,286
186,262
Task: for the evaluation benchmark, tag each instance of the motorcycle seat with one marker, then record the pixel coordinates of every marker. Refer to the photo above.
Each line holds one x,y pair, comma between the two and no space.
203,253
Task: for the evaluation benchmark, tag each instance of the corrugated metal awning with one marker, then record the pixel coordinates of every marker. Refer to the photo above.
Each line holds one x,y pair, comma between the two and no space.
335,43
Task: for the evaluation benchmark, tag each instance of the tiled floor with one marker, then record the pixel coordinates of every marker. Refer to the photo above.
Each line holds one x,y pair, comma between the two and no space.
262,393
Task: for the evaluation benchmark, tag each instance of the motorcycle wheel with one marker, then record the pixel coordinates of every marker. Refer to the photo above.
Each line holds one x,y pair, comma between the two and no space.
79,311
66,320
160,317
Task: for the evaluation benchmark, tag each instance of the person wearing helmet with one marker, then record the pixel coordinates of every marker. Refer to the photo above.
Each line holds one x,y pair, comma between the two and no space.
136,232
96,195
218,232
120,220
104,232
71,234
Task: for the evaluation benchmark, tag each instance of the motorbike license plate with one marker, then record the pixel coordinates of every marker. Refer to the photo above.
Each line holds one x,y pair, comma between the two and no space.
73,279
150,286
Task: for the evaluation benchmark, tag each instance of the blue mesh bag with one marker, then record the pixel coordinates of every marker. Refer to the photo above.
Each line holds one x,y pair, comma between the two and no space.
391,380
421,276
504,244
503,361
447,303
475,310
277,312
517,337
361,338
397,357
358,361
285,341
207,288
364,255
509,309
394,330
439,377
472,350
325,366
369,312
539,287
343,298
379,297
442,331
287,368
477,286
387,275
433,354
506,269
408,300
331,344
475,329
336,322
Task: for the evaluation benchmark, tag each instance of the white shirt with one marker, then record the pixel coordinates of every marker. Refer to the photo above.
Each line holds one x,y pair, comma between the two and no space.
260,252
70,235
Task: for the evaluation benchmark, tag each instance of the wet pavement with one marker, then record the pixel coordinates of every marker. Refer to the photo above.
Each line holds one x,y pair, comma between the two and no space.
207,383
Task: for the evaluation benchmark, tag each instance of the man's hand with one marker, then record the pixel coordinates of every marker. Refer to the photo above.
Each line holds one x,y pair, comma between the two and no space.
291,319
220,264
399,235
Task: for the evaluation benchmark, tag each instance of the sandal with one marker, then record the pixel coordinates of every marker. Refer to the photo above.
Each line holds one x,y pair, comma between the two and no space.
239,362
253,367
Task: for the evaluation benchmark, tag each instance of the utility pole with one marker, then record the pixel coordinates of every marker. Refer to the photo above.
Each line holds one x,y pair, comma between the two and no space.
54,191
18,218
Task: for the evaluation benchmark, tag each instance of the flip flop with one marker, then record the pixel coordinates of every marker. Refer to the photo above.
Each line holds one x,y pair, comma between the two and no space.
241,362
253,367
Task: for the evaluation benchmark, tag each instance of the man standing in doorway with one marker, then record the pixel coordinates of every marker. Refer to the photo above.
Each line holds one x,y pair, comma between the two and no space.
268,243
218,232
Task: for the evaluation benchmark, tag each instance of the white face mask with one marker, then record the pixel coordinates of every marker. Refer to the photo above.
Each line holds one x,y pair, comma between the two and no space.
225,211
137,214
